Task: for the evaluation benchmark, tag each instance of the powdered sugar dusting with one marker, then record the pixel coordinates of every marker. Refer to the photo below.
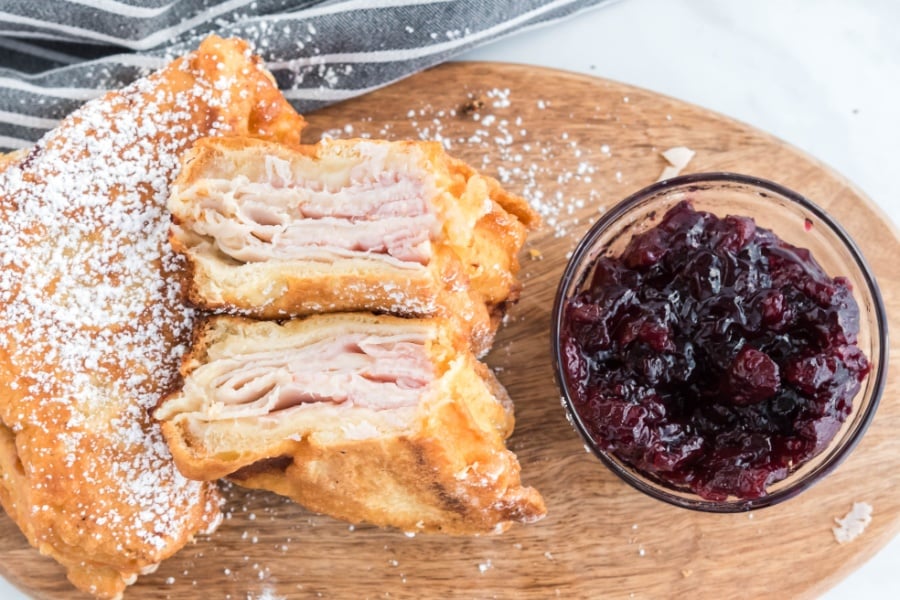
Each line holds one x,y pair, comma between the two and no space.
92,314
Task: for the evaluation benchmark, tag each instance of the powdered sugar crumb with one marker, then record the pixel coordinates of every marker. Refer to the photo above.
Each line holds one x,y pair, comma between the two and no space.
853,523
266,594
485,566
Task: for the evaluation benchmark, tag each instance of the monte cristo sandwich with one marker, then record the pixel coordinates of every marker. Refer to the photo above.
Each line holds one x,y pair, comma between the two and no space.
400,227
380,419
92,326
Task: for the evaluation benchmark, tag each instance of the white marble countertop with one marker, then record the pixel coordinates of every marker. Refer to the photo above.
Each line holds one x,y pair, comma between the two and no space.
824,76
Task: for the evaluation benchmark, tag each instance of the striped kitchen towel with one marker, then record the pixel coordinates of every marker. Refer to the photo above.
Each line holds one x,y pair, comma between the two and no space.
56,54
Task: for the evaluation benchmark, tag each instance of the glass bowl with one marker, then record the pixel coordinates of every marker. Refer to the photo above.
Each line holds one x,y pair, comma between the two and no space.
795,220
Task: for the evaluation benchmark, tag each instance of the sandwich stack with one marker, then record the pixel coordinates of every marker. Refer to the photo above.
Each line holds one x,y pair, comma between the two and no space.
360,280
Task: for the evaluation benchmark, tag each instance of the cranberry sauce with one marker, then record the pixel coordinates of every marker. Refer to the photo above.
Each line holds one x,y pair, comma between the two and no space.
712,355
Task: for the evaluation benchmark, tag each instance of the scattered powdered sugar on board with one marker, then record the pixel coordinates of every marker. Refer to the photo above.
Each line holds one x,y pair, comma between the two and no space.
508,152
266,594
485,566
853,523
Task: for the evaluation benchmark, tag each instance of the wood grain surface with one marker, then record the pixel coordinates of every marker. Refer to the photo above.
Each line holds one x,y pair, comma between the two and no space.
574,145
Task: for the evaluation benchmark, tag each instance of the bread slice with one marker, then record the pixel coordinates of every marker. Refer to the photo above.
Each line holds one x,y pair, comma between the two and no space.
368,418
397,227
92,325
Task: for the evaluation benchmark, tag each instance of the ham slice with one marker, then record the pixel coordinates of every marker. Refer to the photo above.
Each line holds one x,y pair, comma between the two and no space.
285,216
352,370
368,418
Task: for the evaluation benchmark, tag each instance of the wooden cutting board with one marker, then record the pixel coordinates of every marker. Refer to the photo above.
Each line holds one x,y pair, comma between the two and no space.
574,145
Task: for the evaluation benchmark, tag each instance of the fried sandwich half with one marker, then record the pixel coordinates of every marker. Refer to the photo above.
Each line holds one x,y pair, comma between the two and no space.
366,418
92,324
397,227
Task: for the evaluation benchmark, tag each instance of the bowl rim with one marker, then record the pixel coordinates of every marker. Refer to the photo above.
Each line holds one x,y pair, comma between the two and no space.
586,245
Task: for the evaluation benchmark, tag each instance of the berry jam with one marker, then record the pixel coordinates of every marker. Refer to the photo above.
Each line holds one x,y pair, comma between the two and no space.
712,355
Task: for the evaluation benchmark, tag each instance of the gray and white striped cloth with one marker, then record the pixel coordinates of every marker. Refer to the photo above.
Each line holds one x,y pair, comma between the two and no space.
56,54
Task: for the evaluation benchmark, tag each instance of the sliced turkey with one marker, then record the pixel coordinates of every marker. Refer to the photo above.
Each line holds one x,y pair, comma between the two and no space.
352,370
286,216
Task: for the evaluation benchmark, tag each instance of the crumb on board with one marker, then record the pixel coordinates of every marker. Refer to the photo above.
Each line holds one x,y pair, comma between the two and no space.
678,158
535,254
853,523
473,105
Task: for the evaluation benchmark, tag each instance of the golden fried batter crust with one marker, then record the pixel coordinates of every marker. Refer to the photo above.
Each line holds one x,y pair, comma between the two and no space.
441,467
471,276
92,324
